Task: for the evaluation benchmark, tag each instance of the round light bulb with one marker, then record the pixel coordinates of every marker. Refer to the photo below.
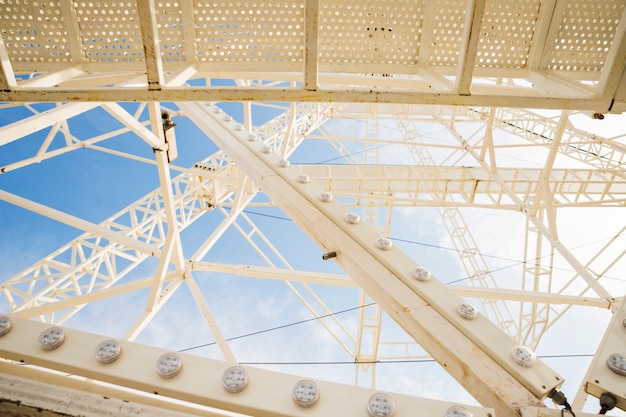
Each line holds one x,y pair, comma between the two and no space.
303,179
523,355
5,325
266,149
235,379
283,163
380,405
384,243
169,365
352,218
458,411
251,138
238,127
326,197
467,311
51,338
227,118
305,393
617,363
108,351
217,110
421,274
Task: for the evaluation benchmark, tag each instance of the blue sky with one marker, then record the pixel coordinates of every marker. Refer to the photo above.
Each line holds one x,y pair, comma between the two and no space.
93,185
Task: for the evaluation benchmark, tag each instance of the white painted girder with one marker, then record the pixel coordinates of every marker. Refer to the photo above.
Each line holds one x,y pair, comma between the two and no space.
314,277
37,122
269,394
427,313
413,185
481,96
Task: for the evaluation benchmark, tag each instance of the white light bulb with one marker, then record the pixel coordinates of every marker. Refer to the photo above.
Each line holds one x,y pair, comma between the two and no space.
617,363
251,138
108,351
421,274
380,405
384,243
326,197
458,411
238,127
227,118
51,338
467,311
5,325
217,110
283,163
266,149
305,393
352,218
169,365
235,379
523,355
303,179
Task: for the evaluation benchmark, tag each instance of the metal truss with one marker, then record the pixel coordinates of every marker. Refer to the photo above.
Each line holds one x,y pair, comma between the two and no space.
453,53
350,123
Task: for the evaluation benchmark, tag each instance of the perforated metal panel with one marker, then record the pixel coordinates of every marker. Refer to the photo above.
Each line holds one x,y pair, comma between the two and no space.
447,32
257,31
110,31
503,52
585,35
34,31
170,28
507,33
369,32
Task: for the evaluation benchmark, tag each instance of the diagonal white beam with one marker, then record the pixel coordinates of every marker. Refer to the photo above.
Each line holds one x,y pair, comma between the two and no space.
78,223
172,249
543,192
426,312
7,76
86,298
202,304
180,77
163,297
117,111
35,123
151,45
53,78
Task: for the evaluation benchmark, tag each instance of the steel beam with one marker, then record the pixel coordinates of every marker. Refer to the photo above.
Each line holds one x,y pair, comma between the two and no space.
151,43
482,95
426,312
269,394
78,223
37,122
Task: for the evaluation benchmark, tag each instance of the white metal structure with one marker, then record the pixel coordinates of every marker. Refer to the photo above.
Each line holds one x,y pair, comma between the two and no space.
374,127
